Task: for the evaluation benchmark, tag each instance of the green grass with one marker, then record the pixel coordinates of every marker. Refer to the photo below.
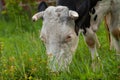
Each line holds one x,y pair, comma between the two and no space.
22,56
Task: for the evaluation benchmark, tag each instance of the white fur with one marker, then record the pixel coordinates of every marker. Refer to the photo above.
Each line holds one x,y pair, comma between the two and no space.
58,23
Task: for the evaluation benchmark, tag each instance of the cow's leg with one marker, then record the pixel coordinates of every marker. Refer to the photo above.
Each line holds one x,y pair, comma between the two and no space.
111,42
107,20
91,39
112,21
97,41
116,41
116,35
94,29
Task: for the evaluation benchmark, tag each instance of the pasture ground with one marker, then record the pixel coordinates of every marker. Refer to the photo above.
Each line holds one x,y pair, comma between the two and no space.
22,56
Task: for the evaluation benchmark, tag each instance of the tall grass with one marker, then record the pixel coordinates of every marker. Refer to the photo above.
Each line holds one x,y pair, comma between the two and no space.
22,56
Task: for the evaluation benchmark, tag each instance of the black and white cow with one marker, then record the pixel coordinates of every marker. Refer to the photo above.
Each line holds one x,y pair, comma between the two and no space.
61,27
110,9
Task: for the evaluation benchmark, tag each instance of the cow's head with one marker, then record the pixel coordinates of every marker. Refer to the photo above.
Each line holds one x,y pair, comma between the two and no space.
97,14
58,35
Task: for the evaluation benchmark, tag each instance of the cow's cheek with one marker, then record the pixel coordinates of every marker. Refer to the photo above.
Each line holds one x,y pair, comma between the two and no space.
73,45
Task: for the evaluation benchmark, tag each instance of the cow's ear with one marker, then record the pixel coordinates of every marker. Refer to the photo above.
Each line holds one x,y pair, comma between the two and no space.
73,15
38,16
42,6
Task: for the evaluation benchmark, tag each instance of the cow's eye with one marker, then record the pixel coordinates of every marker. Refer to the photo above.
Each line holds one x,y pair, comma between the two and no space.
68,38
95,17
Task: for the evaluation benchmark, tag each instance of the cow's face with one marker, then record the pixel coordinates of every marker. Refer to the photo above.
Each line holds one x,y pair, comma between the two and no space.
58,35
98,13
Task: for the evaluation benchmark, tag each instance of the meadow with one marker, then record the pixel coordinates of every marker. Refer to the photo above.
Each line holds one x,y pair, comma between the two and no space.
22,55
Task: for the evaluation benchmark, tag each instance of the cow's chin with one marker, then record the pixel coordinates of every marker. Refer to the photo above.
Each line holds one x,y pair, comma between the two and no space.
58,63
61,61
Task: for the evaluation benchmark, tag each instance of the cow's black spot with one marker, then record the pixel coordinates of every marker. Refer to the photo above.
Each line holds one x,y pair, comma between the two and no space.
95,18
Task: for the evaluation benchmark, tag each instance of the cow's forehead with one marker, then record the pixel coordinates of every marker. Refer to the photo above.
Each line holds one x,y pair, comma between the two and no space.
56,28
56,22
56,12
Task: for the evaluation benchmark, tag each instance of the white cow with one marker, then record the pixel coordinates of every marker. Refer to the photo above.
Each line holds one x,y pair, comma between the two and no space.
58,35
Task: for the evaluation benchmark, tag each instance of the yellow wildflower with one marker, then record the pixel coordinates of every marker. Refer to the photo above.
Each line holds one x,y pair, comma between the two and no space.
30,78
